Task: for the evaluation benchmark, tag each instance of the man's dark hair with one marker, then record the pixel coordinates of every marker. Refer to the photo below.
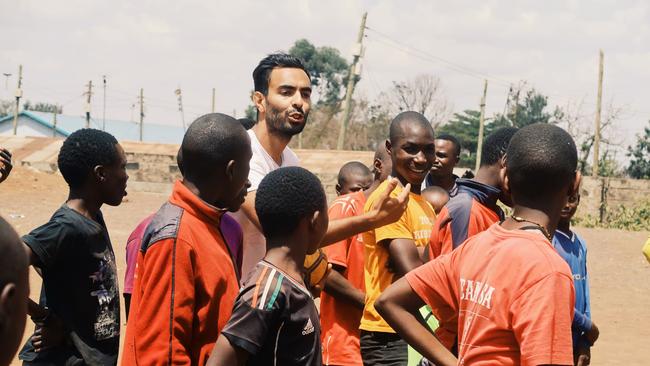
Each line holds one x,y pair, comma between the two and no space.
495,145
211,140
396,130
82,151
247,123
453,140
284,197
352,168
541,159
262,72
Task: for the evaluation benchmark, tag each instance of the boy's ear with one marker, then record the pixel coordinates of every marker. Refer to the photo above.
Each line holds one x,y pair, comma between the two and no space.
575,187
313,222
100,173
7,293
230,169
506,182
389,147
338,189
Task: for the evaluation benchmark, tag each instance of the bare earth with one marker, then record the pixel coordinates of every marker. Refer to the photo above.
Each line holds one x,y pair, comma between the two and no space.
619,274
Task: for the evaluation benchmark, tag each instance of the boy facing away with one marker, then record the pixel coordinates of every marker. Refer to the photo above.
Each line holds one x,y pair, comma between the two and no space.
79,312
274,320
510,294
572,248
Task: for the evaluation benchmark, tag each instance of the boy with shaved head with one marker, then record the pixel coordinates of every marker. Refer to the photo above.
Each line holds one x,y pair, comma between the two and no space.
14,292
353,177
391,251
186,282
510,294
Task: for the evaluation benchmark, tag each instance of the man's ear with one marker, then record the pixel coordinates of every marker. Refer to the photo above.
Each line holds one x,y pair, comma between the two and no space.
259,99
99,172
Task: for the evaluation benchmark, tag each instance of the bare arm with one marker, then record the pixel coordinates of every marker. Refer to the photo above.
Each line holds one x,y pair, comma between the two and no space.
386,211
404,255
341,289
399,305
225,354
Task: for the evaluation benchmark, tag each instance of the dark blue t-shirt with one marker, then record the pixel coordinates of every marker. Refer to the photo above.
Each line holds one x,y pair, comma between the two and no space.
79,286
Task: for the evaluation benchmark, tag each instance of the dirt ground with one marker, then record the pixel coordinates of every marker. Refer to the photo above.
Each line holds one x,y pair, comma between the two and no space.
619,274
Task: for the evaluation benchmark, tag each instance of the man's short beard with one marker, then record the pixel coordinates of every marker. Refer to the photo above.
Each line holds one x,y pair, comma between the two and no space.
278,124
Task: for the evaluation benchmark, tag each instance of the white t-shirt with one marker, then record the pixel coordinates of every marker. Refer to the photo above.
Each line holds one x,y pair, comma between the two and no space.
261,164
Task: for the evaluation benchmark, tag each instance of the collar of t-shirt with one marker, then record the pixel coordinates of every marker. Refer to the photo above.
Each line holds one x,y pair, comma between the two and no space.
485,194
566,235
185,199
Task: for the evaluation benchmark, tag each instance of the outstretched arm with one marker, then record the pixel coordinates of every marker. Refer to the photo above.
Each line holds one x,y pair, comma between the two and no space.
399,305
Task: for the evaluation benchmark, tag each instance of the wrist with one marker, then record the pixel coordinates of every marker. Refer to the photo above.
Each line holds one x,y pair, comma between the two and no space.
42,318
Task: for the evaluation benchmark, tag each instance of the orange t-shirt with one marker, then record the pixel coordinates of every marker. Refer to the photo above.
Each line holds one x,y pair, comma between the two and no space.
510,294
340,320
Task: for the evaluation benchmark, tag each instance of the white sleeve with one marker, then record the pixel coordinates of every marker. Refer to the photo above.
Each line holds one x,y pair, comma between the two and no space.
258,171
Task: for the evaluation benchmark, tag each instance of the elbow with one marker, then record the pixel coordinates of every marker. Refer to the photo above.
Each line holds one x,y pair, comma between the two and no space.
382,304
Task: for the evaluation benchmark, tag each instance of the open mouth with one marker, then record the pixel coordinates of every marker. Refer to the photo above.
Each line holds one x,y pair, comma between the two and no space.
296,117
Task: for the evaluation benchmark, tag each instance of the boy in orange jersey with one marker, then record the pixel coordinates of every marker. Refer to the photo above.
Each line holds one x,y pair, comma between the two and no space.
185,282
508,290
474,206
341,304
392,250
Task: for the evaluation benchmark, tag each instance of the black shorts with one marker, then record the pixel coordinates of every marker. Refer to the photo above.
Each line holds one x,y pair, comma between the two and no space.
380,348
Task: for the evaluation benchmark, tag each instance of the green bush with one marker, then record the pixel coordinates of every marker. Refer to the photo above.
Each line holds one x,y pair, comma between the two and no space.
635,218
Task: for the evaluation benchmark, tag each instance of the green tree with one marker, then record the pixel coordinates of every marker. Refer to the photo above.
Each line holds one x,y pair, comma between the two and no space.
465,126
328,70
6,107
530,109
639,167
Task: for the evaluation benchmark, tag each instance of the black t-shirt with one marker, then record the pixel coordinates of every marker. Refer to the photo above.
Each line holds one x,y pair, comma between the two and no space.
275,320
79,286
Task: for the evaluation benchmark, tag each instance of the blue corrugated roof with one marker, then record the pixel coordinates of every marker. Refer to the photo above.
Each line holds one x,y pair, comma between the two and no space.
122,130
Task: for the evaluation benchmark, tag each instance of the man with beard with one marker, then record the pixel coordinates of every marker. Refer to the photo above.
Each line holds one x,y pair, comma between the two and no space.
283,100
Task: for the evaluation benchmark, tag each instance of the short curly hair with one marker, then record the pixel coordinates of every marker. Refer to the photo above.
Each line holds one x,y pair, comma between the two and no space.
284,197
82,151
496,145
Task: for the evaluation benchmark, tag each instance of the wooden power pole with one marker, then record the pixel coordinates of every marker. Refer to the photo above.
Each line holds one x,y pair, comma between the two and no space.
213,99
180,106
352,78
19,94
88,95
104,106
599,100
481,124
141,111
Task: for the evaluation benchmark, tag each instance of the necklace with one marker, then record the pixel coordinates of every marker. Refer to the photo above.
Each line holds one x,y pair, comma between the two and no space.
542,228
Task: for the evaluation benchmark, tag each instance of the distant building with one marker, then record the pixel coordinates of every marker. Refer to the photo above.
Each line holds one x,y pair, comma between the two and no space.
41,124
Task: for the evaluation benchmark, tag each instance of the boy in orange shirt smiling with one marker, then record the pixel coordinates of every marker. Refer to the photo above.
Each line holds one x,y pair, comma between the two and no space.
510,294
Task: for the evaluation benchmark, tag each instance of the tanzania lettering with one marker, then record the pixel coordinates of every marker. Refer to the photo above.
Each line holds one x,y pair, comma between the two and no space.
475,291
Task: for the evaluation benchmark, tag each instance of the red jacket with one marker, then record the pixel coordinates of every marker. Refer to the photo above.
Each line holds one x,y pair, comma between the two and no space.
185,285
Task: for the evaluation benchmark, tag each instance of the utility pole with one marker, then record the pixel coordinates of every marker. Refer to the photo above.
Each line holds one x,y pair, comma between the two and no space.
141,111
481,123
88,95
599,100
355,70
56,111
213,98
104,106
19,94
514,119
180,106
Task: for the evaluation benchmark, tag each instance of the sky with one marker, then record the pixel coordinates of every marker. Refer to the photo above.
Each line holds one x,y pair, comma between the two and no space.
199,45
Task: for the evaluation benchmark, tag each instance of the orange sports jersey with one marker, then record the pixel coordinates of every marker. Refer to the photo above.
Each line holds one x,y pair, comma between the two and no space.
340,320
415,224
472,210
510,294
185,285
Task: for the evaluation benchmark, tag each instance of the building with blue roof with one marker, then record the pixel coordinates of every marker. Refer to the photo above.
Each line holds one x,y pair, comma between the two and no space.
42,124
